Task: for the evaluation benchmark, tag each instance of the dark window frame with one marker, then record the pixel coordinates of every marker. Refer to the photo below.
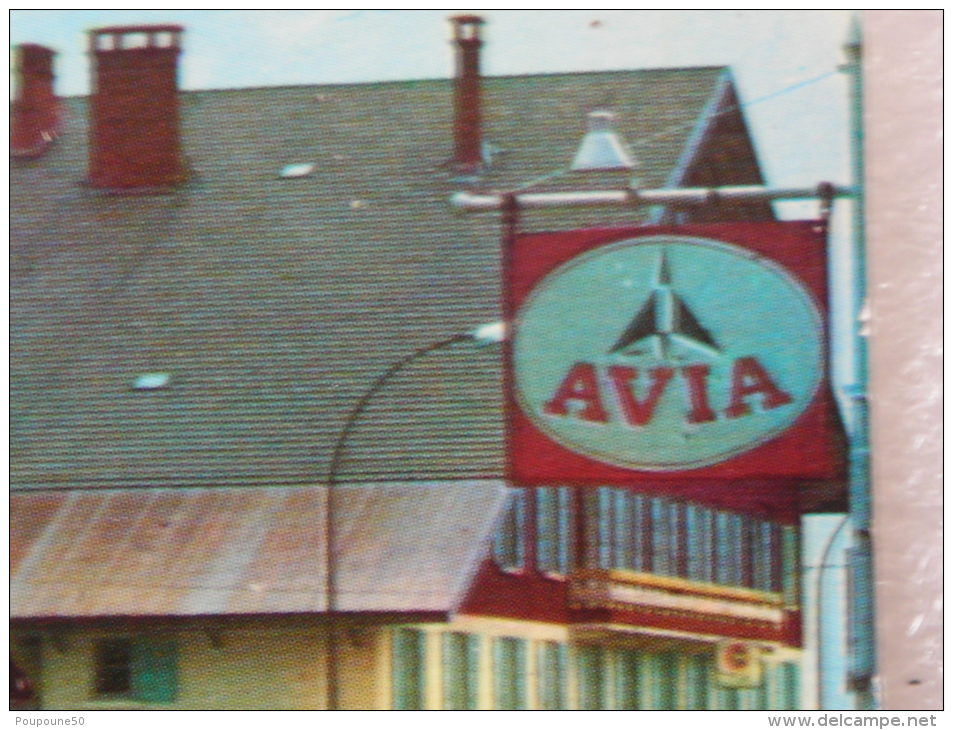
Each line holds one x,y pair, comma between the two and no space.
112,674
140,669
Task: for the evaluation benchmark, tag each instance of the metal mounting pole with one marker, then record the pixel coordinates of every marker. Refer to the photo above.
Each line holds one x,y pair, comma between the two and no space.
633,197
332,548
862,650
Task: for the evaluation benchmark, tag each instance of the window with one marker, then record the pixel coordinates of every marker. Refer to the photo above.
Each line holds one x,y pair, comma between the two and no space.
114,668
460,666
408,665
509,674
624,525
145,670
553,529
552,676
667,537
508,545
591,675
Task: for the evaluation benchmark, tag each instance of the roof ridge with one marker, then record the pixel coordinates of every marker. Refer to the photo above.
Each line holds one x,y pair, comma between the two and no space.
434,79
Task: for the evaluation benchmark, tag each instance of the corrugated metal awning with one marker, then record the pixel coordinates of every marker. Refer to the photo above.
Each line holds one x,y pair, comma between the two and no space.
239,551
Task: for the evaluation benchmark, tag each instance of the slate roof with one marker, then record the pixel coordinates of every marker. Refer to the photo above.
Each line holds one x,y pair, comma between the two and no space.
274,303
402,548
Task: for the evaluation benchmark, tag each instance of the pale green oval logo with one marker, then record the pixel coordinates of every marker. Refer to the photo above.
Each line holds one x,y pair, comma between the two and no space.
666,352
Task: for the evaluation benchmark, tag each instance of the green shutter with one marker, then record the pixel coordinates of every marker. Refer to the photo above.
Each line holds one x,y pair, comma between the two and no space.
753,698
642,528
590,506
623,533
509,670
664,682
590,663
722,570
790,565
678,539
564,528
627,681
451,672
736,530
408,666
789,681
473,670
728,698
545,549
694,529
551,676
697,675
520,684
765,556
520,530
155,671
508,548
460,671
605,508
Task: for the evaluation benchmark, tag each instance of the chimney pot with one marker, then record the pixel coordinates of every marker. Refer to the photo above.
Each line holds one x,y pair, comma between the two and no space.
134,108
36,112
467,132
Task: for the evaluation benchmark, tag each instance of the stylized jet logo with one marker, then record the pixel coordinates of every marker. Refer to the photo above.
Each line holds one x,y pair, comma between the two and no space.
665,318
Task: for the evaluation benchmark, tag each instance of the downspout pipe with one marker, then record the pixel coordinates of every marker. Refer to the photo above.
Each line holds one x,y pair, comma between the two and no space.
862,649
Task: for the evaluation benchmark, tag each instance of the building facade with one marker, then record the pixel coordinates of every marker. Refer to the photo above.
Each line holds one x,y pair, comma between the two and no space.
217,499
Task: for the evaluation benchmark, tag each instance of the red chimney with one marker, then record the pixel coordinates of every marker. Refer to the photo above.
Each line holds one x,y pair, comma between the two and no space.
467,137
134,108
36,111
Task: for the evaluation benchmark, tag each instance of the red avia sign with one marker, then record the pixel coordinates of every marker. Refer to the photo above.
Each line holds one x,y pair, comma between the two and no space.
689,360
581,386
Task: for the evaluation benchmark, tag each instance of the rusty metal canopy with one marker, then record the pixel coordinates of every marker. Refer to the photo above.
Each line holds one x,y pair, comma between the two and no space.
240,551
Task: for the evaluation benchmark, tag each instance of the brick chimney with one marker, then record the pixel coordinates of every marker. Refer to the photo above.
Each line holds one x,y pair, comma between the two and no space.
467,135
134,108
36,112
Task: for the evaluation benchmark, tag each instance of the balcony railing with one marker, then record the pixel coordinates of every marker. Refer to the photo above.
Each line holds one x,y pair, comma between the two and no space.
615,589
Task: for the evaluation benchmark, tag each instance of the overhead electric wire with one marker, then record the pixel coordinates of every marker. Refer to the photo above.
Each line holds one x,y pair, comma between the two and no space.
684,126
